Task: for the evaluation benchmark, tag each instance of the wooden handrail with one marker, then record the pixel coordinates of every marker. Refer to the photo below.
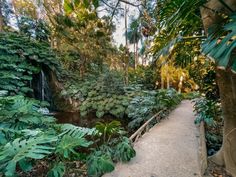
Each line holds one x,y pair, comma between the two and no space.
134,137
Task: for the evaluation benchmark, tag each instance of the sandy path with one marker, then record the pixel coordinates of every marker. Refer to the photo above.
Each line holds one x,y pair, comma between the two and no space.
170,149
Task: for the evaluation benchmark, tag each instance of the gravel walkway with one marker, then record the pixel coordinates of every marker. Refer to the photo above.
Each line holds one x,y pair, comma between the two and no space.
170,149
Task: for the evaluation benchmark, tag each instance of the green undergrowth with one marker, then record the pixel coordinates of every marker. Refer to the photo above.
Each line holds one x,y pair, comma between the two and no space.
209,111
107,94
20,59
31,141
27,136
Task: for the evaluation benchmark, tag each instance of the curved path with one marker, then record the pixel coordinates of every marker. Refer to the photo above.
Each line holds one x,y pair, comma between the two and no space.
169,149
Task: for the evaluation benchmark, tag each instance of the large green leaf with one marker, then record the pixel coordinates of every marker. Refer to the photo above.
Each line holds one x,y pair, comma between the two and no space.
20,149
124,151
219,47
75,131
99,163
67,145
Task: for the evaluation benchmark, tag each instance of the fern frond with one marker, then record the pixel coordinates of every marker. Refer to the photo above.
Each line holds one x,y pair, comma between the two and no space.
75,131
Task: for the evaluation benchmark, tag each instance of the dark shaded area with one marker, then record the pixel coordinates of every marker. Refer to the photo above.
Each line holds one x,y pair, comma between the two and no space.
89,120
40,85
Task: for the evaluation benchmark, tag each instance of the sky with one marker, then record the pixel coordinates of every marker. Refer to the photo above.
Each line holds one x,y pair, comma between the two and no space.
118,35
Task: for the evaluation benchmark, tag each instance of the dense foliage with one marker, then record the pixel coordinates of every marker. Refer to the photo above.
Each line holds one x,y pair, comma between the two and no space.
20,59
27,135
108,95
70,43
209,111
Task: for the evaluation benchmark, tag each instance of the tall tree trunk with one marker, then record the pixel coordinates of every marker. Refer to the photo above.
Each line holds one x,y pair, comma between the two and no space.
1,17
167,81
135,64
180,85
136,56
162,83
126,48
226,81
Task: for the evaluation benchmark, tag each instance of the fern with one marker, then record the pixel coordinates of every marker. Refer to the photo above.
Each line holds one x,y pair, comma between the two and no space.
75,131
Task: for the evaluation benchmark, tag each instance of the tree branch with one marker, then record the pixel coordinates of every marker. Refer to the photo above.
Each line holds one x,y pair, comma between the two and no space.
226,5
129,3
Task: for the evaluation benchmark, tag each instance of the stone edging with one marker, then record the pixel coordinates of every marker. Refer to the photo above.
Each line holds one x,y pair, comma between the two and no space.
202,149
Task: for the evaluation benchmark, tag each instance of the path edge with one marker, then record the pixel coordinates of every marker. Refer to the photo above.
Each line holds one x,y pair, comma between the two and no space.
202,149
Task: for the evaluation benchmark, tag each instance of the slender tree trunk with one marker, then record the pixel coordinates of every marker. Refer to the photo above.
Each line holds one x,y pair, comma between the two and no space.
136,56
162,82
180,85
126,46
135,64
168,81
1,17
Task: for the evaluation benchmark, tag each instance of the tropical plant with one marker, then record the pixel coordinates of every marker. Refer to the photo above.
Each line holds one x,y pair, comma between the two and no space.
144,75
107,96
99,163
58,170
167,99
220,48
109,130
124,151
115,147
141,108
66,146
19,150
20,59
207,111
210,112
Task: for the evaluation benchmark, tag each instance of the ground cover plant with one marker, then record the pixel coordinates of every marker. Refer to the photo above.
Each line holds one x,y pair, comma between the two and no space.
64,57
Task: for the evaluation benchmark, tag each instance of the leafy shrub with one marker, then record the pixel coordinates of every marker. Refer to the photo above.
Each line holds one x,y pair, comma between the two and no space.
209,111
99,163
141,108
167,99
106,96
108,130
191,95
144,75
19,150
58,170
124,151
26,135
115,147
21,58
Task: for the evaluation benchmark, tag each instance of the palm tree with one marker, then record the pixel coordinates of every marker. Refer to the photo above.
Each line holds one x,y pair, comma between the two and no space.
133,35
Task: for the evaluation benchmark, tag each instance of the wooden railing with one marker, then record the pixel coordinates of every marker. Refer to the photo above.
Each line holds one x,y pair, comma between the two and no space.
146,126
